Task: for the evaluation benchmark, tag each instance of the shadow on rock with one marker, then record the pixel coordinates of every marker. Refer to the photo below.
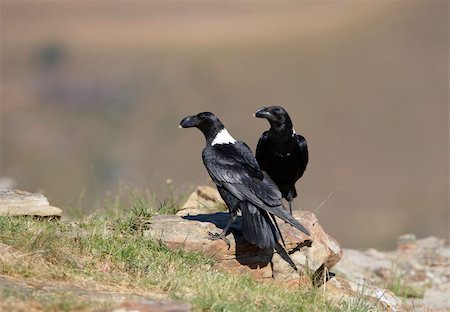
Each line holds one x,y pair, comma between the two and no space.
246,253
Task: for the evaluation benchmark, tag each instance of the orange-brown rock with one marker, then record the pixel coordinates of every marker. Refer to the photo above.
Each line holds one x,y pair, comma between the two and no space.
315,254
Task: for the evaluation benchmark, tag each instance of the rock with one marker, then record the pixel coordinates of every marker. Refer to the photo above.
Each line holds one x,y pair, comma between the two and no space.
361,265
346,291
316,254
437,297
21,203
203,200
406,242
419,269
148,305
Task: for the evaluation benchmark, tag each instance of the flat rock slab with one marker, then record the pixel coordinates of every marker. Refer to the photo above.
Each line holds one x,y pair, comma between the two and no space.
317,253
21,203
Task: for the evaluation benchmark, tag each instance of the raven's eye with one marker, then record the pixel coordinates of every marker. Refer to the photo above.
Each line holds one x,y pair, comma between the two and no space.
201,116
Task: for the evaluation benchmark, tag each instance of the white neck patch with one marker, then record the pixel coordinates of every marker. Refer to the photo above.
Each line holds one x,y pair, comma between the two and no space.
293,132
223,137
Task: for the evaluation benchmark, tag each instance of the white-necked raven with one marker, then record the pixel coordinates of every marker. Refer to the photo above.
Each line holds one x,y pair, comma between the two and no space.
281,152
241,183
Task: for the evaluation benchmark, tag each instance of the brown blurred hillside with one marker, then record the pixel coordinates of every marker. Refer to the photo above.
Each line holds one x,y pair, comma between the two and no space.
92,93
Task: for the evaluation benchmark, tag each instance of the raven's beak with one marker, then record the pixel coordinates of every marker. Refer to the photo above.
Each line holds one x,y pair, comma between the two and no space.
262,113
188,122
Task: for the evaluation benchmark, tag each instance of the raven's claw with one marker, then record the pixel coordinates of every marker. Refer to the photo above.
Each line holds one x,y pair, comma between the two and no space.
217,236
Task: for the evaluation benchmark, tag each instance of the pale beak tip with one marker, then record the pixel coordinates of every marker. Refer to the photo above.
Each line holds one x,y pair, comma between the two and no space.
179,127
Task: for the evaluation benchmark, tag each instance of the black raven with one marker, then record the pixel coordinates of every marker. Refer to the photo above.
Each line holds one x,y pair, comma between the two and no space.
241,183
281,152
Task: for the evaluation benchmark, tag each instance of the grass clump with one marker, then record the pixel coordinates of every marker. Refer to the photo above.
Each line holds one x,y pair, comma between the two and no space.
362,302
397,283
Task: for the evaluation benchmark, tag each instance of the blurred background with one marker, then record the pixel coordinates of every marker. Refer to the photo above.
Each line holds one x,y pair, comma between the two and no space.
92,93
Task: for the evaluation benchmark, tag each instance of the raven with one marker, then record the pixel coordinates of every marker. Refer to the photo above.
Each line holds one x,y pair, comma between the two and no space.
281,152
241,183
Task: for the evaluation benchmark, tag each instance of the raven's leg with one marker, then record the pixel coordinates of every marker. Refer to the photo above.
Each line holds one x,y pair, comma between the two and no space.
223,234
290,197
290,206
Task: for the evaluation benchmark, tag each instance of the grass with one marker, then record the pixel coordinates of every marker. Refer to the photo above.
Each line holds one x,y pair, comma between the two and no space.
361,302
398,285
107,252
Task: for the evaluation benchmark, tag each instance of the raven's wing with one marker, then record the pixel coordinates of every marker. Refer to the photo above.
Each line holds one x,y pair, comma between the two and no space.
234,167
304,157
243,156
228,165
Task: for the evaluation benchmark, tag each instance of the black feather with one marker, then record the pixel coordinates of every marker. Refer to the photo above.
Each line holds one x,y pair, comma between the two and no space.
257,228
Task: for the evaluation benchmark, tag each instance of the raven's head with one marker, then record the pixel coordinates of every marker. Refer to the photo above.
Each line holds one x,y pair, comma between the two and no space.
206,122
201,120
276,115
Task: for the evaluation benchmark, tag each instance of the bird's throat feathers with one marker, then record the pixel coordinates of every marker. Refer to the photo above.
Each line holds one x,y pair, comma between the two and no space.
223,137
281,130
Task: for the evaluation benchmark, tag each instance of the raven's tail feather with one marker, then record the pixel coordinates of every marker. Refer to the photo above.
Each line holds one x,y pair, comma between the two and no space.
283,254
281,213
257,228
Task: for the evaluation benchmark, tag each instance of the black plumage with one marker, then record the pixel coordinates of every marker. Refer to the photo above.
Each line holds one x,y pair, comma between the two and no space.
281,152
241,183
